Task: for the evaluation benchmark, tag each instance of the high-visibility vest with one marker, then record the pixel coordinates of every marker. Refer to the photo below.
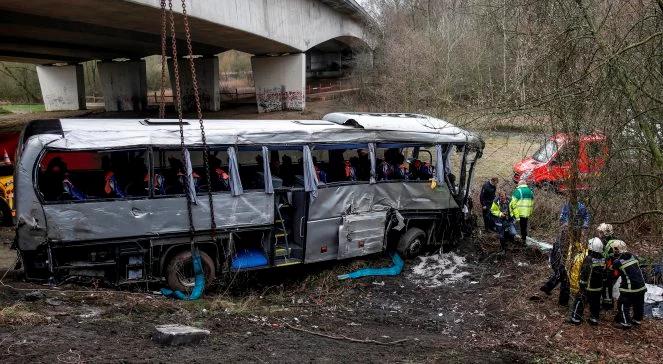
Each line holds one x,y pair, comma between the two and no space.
522,202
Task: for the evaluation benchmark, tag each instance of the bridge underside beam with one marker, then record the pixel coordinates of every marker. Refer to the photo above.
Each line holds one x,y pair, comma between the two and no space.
280,82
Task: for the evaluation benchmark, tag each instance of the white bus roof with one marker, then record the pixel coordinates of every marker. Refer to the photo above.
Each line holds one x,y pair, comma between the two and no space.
334,128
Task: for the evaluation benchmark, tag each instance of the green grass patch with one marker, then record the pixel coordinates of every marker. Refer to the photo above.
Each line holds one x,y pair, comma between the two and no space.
22,108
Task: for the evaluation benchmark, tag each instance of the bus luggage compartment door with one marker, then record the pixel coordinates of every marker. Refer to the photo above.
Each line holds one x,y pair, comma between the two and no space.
361,234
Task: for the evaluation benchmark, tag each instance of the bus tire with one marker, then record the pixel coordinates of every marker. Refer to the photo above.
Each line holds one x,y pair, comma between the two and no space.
179,271
6,219
411,243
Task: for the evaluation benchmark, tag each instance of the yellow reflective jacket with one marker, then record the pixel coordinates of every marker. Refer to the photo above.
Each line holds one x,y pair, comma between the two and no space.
522,202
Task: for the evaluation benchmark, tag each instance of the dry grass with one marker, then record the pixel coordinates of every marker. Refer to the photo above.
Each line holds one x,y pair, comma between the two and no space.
19,315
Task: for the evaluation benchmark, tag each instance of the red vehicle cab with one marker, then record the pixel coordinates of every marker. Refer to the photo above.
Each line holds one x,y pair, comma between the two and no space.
546,168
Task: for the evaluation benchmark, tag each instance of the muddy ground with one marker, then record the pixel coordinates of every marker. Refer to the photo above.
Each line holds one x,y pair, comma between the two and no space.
483,308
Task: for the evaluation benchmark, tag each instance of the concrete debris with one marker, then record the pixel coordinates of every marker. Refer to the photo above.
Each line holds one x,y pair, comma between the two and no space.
178,335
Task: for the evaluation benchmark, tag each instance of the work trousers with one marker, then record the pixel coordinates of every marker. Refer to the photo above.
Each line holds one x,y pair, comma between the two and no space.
606,295
488,223
559,276
591,298
628,301
507,231
523,228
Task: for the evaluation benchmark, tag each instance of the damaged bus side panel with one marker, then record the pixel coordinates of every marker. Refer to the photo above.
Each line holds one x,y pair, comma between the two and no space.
284,192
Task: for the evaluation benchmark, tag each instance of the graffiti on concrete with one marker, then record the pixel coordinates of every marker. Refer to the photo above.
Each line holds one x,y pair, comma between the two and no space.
278,98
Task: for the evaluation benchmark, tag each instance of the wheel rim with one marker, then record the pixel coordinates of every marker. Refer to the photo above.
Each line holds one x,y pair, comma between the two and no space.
414,247
184,274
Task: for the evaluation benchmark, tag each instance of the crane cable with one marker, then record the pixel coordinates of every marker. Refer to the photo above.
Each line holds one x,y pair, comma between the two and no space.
168,16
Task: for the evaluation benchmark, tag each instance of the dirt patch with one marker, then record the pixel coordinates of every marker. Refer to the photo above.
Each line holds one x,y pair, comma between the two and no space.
306,314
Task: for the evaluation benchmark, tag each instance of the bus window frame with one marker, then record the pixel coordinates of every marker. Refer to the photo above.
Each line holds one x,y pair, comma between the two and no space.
401,145
46,150
285,147
258,149
314,147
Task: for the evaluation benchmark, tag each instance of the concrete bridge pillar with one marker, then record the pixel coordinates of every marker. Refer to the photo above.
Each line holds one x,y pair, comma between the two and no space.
62,87
124,85
280,82
207,74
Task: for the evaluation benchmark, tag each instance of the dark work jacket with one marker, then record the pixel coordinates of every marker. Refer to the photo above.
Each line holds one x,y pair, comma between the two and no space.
487,194
627,266
592,272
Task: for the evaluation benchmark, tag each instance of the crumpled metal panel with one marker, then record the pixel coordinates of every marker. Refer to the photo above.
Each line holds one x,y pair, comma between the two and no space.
31,222
336,201
152,217
361,234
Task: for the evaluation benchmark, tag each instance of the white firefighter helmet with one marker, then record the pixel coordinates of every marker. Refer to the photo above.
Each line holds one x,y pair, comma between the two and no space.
605,229
619,246
595,245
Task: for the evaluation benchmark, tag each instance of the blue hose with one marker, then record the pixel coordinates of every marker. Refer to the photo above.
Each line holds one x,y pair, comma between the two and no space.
199,285
393,270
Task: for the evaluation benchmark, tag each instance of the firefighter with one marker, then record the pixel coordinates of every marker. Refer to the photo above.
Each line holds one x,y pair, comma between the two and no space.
605,232
632,288
486,198
503,220
591,285
522,205
559,274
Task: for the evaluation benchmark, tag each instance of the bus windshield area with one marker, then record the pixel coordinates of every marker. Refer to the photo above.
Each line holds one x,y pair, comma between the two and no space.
545,152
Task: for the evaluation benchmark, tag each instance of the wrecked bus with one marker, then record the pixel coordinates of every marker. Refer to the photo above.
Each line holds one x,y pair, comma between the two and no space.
105,198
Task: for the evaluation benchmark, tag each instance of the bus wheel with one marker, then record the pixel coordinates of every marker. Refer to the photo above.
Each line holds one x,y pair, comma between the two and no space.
411,243
179,271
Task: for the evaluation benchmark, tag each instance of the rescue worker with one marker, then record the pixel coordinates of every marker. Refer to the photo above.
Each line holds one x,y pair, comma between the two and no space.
632,288
522,205
579,215
486,198
559,274
591,285
503,220
605,232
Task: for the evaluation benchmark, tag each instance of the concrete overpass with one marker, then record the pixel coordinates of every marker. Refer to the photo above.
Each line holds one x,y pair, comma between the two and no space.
59,34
